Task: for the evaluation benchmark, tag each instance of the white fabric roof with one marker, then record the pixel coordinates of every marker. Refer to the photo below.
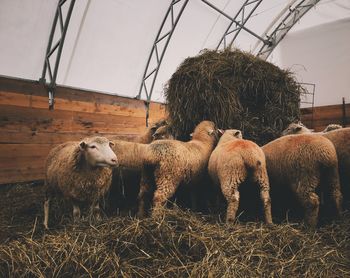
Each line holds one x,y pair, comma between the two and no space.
108,42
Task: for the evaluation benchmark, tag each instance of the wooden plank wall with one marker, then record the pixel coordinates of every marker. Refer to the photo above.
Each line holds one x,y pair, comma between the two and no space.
325,115
28,130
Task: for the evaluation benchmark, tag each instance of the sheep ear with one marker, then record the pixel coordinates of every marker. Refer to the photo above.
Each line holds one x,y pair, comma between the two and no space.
237,133
111,144
298,128
220,131
210,132
82,145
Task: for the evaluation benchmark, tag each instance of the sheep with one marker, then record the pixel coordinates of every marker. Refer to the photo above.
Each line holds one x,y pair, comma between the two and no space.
304,163
147,137
340,138
331,127
232,162
299,128
167,163
296,128
80,171
341,141
162,132
126,177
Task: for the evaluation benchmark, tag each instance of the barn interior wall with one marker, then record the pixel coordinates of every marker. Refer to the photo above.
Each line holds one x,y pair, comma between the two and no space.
28,129
319,117
319,55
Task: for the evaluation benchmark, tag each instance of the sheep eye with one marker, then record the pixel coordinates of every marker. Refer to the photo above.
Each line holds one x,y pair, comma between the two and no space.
93,147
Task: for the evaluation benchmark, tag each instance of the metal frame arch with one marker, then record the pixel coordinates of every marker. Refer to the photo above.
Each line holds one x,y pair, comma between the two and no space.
248,4
237,23
286,23
58,46
154,54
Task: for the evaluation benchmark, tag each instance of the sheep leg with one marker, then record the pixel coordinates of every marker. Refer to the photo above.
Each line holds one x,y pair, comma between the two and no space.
335,191
311,205
76,213
97,210
337,199
46,213
143,195
231,194
263,182
164,191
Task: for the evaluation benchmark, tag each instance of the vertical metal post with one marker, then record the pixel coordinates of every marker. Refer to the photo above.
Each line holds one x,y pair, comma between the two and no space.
344,121
58,46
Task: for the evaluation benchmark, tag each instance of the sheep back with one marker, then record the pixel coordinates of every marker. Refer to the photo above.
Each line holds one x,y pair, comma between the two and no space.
240,153
292,157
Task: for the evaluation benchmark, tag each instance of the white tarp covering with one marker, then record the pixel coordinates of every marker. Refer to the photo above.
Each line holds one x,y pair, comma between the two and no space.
108,42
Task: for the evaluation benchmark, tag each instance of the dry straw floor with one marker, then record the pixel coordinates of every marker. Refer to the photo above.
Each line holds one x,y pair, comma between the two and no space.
180,244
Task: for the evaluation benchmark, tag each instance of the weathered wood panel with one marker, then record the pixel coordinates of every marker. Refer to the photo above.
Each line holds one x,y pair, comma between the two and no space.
28,130
325,115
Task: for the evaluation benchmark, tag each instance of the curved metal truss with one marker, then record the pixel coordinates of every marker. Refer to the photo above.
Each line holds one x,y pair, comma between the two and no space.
292,16
56,48
292,13
159,47
248,6
239,25
237,22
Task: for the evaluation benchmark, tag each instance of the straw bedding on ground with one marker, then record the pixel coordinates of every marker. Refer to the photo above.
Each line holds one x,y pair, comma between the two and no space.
180,244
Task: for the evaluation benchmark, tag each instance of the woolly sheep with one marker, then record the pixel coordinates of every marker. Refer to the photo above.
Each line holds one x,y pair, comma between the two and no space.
299,128
331,127
232,162
147,137
341,141
162,133
80,172
167,163
126,177
304,163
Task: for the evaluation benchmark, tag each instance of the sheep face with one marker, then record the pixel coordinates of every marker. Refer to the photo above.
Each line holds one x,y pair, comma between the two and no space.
157,125
162,133
97,152
296,128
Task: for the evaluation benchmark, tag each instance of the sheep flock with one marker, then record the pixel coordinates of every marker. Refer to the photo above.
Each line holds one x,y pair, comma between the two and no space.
137,191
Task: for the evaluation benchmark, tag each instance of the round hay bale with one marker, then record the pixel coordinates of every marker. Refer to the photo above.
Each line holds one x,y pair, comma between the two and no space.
234,89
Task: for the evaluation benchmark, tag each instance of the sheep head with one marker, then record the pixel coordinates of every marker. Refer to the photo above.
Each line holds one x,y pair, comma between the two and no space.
97,152
296,128
205,130
331,127
230,134
162,133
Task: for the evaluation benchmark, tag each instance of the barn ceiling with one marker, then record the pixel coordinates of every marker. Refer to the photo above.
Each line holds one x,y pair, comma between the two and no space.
132,47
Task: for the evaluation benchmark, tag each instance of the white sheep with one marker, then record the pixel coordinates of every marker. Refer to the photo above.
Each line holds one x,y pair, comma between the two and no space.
304,163
234,161
341,140
80,171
